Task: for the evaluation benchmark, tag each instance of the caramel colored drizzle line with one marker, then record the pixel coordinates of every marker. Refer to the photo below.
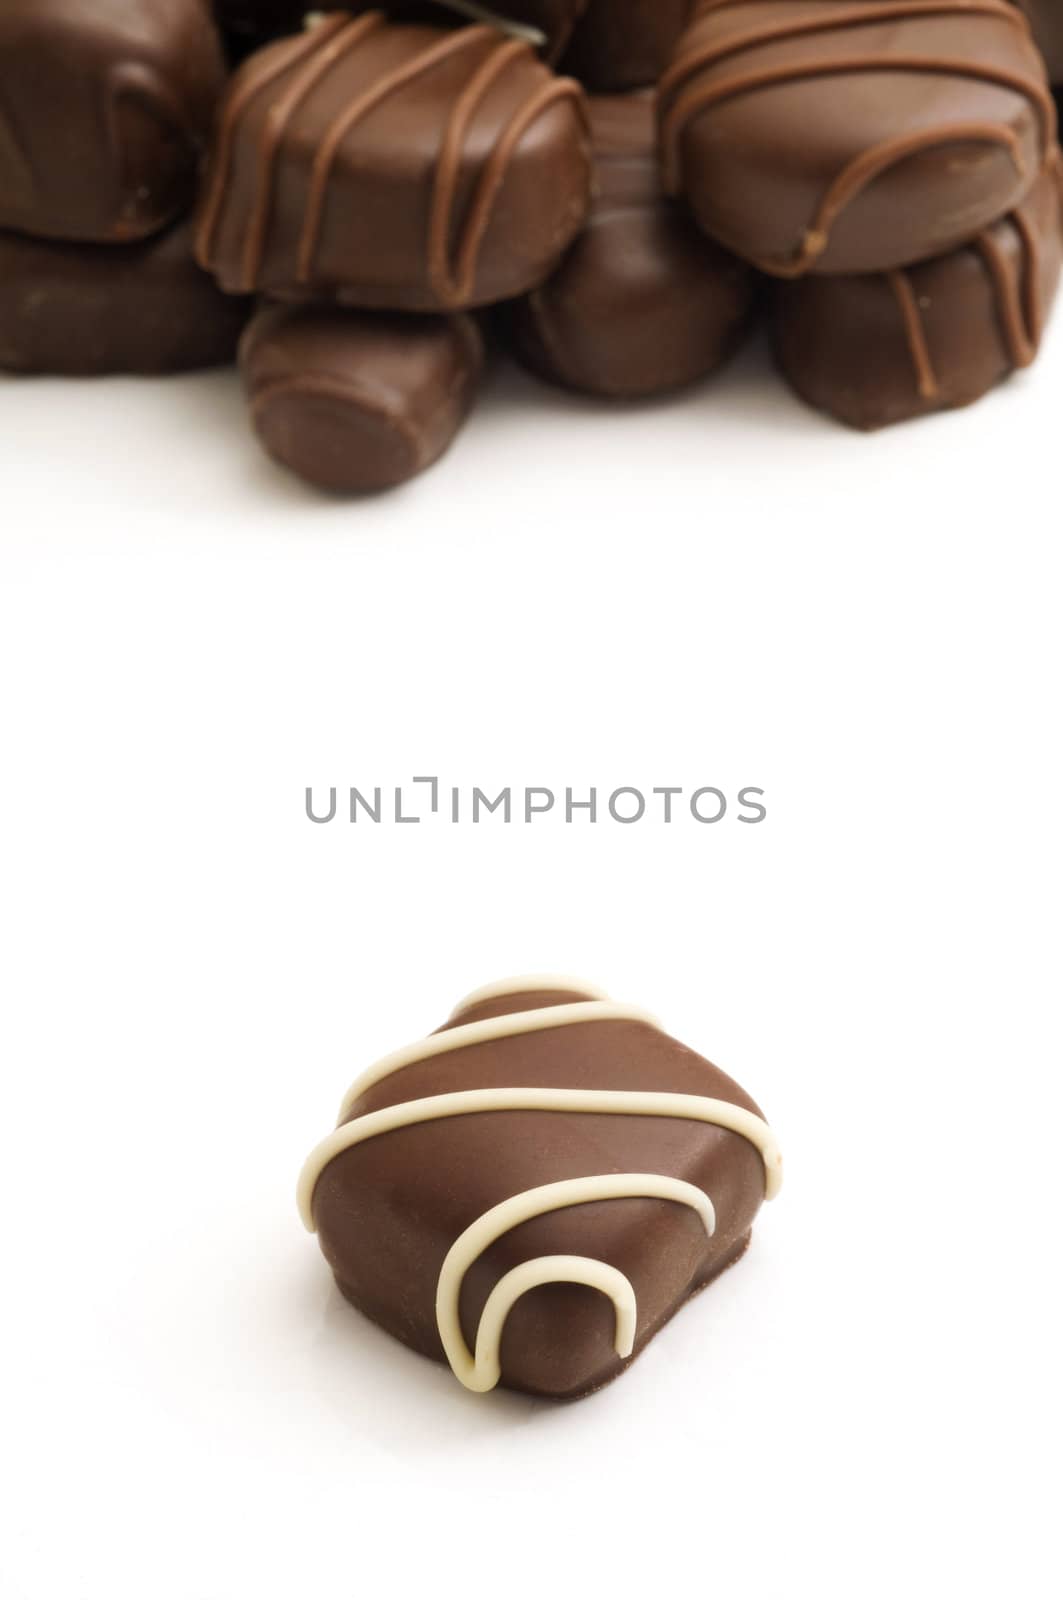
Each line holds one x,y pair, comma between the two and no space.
915,334
453,285
682,107
445,282
1017,297
399,78
863,16
259,75
1018,302
591,1102
278,118
482,1371
862,171
548,95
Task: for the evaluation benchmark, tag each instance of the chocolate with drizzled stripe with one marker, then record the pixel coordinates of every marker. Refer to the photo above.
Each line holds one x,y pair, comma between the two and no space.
854,135
531,1192
399,167
881,348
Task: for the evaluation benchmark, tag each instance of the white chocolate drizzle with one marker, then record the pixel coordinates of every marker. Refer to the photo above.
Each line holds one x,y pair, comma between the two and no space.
480,1371
487,1031
535,983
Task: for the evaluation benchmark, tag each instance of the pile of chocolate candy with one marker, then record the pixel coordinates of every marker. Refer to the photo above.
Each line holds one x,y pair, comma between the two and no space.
359,202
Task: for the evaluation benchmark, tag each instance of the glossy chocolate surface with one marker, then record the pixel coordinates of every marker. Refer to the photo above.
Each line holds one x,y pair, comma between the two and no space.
643,302
828,136
355,402
402,167
882,348
388,1210
87,309
106,107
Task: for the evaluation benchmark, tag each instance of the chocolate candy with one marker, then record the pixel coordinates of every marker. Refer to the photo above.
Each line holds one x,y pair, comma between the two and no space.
643,302
89,309
626,44
105,108
828,136
1046,21
404,167
353,401
531,1192
877,349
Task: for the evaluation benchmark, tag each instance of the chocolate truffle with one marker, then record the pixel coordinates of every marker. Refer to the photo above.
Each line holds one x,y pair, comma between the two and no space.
881,348
626,44
828,136
404,167
643,302
533,1191
90,309
105,108
357,401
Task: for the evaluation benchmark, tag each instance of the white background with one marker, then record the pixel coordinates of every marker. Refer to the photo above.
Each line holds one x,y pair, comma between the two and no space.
721,590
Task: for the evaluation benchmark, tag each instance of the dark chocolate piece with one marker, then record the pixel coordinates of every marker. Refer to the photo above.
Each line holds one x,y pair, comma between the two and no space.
643,302
882,348
353,401
105,108
626,44
90,309
833,136
1046,21
402,167
532,1192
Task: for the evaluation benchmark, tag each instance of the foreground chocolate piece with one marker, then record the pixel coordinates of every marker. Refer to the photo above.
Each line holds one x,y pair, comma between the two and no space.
355,402
626,44
84,310
105,108
820,135
643,302
1046,21
878,349
409,168
532,1192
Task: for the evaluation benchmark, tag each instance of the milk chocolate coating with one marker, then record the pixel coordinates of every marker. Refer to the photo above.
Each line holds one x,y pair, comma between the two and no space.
89,309
388,1210
105,108
355,402
1046,21
643,302
403,167
851,135
878,349
626,44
